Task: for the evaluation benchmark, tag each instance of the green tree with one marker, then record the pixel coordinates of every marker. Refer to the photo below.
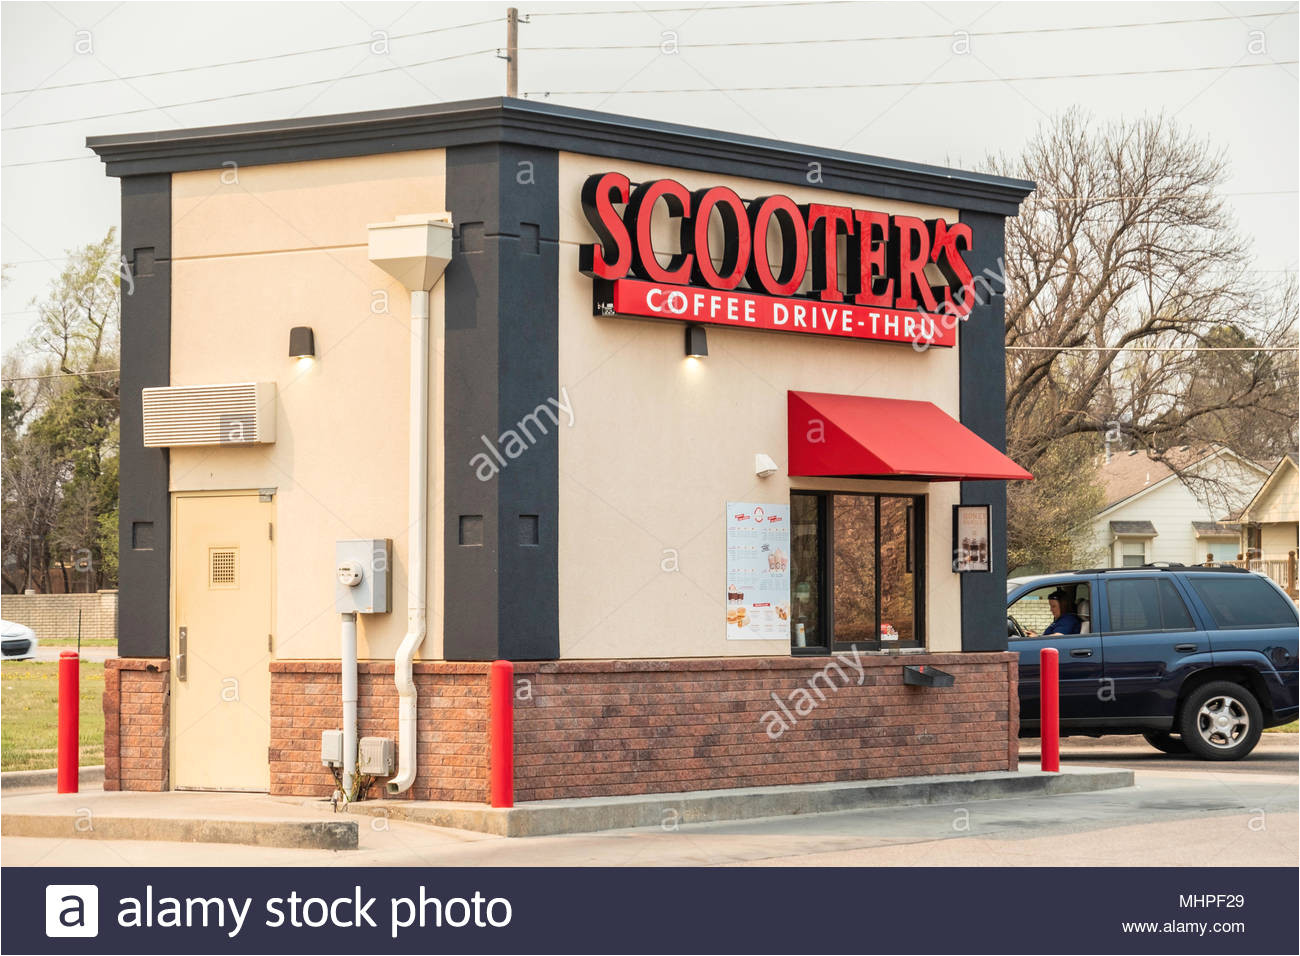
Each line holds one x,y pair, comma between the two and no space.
60,420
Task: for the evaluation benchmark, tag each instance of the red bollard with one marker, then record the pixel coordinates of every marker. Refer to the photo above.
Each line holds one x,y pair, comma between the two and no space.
69,720
1049,702
501,734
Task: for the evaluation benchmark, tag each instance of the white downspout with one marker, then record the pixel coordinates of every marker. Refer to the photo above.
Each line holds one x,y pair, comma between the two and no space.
349,667
418,501
414,250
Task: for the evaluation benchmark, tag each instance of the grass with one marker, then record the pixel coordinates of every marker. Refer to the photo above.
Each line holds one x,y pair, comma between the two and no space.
1291,728
29,714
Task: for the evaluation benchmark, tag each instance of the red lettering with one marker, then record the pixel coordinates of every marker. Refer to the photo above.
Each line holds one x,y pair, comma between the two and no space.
825,223
945,251
639,213
613,256
867,260
794,245
735,238
909,254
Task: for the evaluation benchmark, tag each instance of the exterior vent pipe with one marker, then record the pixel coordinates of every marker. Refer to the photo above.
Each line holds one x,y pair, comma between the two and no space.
415,251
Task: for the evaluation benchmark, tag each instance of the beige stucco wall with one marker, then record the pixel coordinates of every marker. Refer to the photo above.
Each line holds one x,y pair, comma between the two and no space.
255,252
660,443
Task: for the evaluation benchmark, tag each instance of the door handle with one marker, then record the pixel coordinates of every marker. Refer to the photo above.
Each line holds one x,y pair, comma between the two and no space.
1081,652
182,641
1185,648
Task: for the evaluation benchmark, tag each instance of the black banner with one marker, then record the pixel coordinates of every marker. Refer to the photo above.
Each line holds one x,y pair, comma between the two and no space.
352,909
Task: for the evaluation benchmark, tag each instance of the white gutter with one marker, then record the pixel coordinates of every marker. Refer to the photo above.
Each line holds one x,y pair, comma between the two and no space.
417,503
348,658
414,250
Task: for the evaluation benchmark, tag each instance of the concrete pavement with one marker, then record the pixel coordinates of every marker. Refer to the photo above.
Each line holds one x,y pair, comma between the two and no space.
1276,753
1205,815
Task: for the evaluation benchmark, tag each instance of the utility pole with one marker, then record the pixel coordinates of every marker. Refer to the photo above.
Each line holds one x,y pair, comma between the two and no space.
512,52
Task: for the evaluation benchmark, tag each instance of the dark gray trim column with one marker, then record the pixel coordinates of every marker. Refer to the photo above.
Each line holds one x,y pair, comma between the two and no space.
982,356
501,503
144,520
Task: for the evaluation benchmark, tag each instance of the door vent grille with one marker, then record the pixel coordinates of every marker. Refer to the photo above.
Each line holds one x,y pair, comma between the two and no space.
238,414
223,567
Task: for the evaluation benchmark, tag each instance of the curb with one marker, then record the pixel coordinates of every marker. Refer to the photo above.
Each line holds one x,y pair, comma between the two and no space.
593,814
292,834
46,779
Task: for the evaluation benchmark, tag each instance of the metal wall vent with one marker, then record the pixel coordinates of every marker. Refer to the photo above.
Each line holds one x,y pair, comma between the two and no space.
223,567
238,414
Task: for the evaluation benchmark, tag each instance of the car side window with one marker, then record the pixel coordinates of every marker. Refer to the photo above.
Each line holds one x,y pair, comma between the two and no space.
1033,611
1146,604
1133,605
1243,601
1173,611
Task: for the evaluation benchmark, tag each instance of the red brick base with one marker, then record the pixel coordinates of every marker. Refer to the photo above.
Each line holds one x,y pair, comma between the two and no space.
452,714
137,722
607,728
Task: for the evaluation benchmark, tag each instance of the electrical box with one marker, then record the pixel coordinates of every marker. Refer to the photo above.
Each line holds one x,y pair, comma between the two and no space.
377,756
363,579
331,748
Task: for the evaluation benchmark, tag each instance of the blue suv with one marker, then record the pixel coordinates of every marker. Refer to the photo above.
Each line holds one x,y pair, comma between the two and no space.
1197,659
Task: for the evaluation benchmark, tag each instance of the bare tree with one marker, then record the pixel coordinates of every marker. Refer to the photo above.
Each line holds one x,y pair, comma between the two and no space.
1121,269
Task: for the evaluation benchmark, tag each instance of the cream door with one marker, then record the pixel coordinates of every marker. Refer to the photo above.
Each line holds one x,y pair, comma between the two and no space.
221,642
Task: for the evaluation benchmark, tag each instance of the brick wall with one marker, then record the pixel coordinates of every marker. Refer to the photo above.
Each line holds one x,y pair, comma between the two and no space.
136,724
607,728
452,715
54,616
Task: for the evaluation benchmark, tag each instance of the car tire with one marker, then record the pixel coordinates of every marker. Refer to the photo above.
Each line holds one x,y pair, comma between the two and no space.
1165,743
1220,721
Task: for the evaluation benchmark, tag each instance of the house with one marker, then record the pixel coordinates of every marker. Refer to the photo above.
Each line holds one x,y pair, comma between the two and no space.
1270,524
1171,509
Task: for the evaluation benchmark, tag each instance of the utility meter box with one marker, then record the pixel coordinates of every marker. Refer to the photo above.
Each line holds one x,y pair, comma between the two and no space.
377,756
363,578
331,748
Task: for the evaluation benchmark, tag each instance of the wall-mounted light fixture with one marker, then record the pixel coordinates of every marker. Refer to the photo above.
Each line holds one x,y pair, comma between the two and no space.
697,341
302,343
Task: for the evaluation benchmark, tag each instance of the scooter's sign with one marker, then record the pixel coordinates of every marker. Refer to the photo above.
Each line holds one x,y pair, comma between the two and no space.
731,276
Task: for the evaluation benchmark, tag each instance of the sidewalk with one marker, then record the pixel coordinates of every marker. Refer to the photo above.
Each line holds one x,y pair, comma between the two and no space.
248,819
255,819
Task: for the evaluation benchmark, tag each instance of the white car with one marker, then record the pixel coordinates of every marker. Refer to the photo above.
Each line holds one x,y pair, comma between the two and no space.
19,641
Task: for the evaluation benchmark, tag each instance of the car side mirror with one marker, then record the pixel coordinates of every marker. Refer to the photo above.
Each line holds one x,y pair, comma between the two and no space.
1012,630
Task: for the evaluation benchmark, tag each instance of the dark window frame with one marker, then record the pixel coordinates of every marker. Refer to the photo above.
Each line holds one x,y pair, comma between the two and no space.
915,540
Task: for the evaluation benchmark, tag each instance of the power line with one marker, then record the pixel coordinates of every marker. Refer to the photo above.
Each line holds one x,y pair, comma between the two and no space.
42,162
38,378
251,59
911,36
717,8
867,86
234,96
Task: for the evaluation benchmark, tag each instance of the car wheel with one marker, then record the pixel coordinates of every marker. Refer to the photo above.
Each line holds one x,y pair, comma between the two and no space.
1221,721
1165,743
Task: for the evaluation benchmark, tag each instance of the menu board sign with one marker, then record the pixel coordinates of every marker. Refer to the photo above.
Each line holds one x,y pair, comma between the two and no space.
758,571
970,538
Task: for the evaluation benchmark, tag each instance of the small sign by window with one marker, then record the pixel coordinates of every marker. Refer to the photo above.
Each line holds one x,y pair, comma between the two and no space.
970,538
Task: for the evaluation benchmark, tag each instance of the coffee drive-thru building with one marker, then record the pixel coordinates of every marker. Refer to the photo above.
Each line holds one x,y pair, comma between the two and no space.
703,432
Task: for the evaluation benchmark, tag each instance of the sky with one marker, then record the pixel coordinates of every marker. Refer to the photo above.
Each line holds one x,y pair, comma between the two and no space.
943,83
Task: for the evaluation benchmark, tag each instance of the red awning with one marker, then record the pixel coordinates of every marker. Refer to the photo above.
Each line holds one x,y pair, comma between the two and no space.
858,436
